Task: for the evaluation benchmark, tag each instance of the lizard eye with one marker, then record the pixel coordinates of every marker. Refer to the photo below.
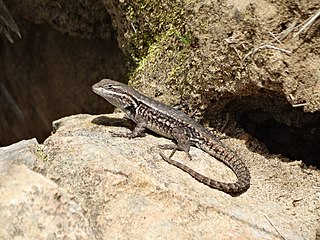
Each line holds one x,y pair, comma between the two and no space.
109,86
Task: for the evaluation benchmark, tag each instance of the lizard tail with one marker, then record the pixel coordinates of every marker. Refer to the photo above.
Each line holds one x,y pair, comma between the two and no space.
227,157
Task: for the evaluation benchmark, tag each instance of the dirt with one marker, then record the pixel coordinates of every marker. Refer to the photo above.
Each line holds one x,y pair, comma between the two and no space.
218,55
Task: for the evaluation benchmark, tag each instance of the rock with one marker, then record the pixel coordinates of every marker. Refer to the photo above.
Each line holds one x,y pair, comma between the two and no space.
129,192
82,183
31,205
23,152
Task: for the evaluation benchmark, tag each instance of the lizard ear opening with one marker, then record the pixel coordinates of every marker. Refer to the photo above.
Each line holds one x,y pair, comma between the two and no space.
129,107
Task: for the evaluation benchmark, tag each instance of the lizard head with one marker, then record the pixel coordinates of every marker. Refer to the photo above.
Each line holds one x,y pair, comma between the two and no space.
116,93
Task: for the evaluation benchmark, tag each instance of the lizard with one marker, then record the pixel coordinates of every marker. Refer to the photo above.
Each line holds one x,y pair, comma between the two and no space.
171,123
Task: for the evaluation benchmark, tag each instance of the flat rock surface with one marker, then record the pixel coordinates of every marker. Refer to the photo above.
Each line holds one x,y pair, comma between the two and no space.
89,184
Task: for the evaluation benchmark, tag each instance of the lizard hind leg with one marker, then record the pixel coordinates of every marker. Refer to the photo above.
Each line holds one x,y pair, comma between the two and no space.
183,143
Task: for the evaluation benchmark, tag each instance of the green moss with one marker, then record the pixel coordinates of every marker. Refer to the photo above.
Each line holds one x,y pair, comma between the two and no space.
162,51
40,154
150,22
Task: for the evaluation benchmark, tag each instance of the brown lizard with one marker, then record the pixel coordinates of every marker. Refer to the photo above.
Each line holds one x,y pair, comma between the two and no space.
174,124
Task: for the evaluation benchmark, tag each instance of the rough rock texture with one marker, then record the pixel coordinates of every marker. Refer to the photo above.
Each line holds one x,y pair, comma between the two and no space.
208,49
33,206
125,191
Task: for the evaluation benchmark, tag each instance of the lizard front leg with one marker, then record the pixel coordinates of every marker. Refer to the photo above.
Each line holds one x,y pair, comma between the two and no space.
138,131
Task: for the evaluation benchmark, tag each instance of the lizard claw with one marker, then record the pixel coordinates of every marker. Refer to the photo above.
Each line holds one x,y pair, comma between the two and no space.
119,134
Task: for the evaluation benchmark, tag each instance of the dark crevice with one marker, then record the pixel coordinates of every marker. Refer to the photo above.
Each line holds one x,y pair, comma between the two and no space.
296,143
282,128
47,75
